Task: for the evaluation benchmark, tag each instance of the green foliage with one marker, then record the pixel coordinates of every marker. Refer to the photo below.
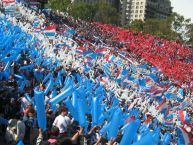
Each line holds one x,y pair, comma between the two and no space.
106,13
182,27
101,12
175,27
136,25
189,34
83,11
60,5
160,28
157,27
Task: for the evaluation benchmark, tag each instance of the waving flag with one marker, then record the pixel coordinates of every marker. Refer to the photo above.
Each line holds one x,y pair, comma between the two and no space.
123,76
150,81
183,115
184,136
106,69
168,122
171,92
80,50
119,62
155,91
110,57
180,94
91,57
163,105
50,31
37,30
35,23
69,32
103,80
101,50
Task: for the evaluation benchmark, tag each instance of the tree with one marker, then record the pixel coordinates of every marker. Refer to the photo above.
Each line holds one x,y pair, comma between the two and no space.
175,27
160,28
181,26
189,34
136,25
83,11
156,27
60,5
101,12
106,13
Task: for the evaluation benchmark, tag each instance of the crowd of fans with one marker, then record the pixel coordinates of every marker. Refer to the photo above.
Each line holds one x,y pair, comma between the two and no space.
61,127
152,49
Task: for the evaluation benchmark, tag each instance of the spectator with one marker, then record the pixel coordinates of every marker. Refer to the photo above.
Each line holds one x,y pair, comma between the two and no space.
62,121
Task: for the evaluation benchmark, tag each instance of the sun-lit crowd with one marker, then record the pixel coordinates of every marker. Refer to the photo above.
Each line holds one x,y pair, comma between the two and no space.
98,53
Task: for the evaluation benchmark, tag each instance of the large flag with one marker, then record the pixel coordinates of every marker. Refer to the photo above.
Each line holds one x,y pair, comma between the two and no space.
155,91
184,118
184,136
50,31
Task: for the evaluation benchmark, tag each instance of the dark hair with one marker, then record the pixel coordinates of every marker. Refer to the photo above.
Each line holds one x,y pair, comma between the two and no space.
55,131
66,141
62,109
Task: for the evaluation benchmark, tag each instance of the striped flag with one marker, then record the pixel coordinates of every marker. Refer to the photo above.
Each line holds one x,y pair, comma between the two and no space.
50,31
37,30
168,122
155,91
184,136
101,50
80,50
103,80
183,115
110,57
91,57
10,8
36,22
163,105
170,93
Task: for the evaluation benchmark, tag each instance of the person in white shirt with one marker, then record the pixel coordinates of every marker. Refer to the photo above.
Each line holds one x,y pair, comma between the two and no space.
62,121
15,131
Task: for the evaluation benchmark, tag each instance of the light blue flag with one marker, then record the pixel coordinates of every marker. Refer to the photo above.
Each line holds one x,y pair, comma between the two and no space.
146,140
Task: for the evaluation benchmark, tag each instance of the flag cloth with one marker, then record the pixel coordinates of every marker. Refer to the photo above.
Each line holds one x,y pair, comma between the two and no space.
183,115
183,136
101,50
80,50
146,140
50,31
163,105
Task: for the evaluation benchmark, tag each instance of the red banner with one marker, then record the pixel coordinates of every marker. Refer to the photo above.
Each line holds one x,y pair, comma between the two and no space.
8,1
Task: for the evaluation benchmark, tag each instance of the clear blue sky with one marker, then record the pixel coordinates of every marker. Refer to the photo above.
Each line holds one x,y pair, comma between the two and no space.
183,7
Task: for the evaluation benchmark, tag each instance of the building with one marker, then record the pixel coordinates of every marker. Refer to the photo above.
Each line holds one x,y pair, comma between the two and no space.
143,9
